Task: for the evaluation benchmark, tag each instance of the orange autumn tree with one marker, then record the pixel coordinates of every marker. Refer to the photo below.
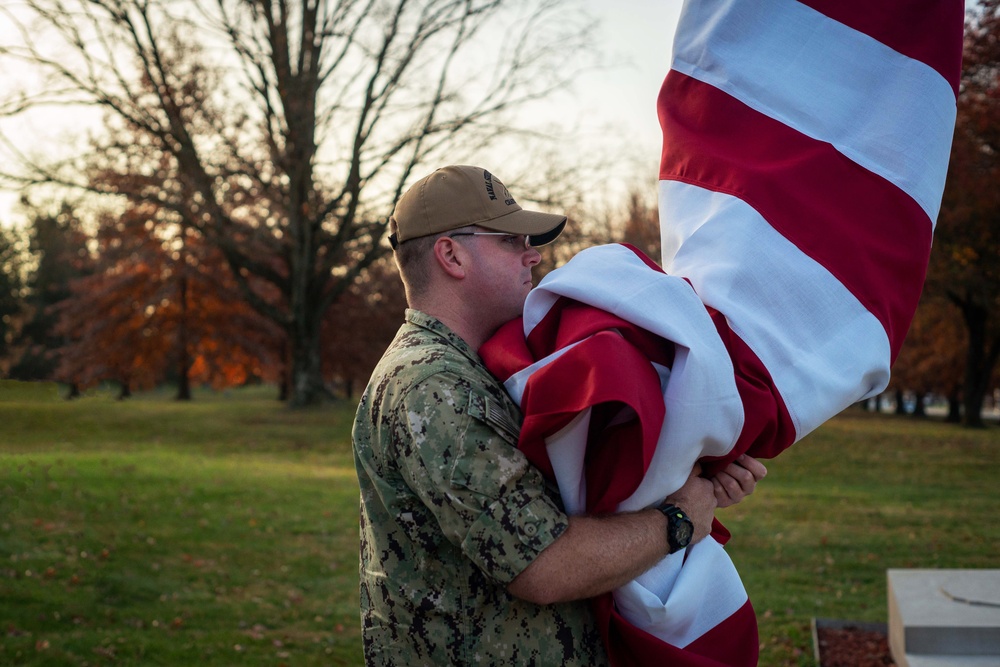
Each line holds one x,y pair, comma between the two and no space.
160,304
931,360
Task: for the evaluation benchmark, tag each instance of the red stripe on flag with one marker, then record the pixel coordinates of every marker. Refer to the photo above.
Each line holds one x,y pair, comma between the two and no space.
609,372
506,352
905,28
856,224
569,321
768,428
731,643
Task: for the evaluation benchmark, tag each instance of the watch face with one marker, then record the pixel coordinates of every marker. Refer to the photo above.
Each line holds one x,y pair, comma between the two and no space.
680,529
683,531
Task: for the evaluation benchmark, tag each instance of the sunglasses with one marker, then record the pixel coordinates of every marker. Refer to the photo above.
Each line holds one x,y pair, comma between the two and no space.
513,237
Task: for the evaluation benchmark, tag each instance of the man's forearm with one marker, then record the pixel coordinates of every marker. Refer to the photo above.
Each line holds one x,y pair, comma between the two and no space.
595,555
598,554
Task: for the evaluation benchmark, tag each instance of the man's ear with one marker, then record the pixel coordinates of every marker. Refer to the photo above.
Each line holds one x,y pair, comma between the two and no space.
451,257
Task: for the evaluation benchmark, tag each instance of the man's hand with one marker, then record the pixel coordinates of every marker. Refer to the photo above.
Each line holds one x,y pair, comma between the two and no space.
738,480
698,500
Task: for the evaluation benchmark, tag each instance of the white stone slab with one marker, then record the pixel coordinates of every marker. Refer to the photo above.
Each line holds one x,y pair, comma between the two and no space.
940,618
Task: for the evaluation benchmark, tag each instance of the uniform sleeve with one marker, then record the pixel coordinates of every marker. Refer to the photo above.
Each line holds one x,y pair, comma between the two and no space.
459,455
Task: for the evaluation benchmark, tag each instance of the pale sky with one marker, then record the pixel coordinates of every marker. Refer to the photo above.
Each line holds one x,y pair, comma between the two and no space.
614,107
619,103
637,37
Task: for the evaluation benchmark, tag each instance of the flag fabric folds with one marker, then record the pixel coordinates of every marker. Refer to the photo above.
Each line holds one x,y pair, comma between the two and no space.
805,146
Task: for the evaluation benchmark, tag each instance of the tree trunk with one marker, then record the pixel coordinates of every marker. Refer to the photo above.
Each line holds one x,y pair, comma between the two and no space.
284,390
307,387
900,403
979,363
184,359
918,405
954,409
972,408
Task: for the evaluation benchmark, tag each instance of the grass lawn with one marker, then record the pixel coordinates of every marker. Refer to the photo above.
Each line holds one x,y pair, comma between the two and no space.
224,531
150,532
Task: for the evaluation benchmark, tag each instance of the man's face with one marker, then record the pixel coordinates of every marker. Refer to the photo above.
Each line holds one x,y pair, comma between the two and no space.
501,276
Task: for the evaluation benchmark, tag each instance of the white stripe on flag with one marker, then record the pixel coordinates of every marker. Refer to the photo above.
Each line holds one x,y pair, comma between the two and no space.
567,452
829,82
685,595
805,327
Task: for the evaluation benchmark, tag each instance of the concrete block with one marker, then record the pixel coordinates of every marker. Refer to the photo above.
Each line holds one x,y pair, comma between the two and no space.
944,617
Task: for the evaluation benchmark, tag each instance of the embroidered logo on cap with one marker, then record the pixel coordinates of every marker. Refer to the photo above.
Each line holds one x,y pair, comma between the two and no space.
507,199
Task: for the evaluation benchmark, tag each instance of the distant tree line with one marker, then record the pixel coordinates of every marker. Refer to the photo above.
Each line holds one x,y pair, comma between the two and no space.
120,305
84,303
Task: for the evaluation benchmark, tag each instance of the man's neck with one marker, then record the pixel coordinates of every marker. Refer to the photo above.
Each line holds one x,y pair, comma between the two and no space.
462,323
466,323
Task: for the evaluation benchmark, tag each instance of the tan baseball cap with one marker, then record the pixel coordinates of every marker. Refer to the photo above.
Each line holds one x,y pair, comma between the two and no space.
459,196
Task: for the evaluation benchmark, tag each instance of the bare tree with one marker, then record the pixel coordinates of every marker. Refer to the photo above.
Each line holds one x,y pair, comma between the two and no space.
285,130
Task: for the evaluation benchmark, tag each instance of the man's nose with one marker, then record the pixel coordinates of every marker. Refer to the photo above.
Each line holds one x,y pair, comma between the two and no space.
532,256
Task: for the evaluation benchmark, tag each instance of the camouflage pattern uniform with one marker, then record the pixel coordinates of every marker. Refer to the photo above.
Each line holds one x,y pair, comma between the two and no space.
451,512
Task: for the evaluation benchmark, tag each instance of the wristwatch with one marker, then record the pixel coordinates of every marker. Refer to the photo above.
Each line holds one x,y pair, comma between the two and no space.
680,530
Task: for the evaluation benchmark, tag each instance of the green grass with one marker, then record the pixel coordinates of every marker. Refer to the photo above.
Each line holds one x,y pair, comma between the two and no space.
152,532
224,531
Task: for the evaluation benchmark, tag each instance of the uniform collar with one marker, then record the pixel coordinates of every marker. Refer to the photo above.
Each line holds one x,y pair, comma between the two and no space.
436,326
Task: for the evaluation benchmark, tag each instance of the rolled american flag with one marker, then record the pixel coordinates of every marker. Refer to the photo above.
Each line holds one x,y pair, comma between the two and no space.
805,147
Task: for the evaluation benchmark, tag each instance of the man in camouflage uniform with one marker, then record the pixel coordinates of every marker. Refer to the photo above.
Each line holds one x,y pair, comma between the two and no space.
467,557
